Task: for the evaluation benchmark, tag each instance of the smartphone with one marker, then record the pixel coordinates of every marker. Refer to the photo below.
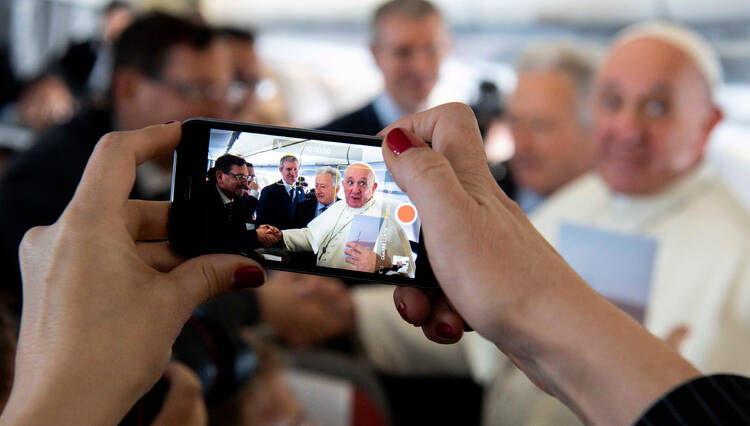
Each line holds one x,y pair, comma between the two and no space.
297,200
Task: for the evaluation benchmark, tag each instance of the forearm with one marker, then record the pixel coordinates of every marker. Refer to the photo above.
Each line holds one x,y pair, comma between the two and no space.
609,371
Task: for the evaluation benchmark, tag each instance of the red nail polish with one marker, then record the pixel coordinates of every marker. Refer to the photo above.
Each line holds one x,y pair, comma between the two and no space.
444,330
170,122
398,141
402,311
248,277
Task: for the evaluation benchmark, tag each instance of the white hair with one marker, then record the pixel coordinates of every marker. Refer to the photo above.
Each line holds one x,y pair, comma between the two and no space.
330,171
690,43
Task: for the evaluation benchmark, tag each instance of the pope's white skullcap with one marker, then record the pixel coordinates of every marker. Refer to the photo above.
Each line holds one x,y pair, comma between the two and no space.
688,42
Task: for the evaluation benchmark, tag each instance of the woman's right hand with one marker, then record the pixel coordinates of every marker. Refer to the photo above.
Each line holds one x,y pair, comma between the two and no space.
499,275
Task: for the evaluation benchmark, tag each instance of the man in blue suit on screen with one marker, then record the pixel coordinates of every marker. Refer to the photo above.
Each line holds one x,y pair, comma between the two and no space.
279,201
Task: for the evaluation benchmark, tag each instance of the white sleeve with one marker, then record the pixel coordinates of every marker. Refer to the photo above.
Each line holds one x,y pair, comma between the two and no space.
297,239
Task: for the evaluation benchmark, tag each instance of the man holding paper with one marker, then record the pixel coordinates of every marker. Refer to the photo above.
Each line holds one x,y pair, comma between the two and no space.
356,233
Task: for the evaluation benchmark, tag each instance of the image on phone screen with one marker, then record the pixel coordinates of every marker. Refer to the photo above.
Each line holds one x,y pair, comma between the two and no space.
305,203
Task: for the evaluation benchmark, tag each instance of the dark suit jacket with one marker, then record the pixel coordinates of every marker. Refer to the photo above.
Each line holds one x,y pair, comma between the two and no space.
363,121
273,205
205,219
305,212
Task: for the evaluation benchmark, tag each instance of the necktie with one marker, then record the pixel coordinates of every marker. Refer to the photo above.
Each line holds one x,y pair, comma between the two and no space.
322,209
292,202
228,208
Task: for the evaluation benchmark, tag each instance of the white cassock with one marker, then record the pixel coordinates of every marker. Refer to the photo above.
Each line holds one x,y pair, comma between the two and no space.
327,235
701,279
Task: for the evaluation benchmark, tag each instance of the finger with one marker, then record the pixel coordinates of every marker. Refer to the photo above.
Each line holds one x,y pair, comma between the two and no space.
110,172
158,255
147,220
205,277
351,261
444,325
429,180
453,131
412,304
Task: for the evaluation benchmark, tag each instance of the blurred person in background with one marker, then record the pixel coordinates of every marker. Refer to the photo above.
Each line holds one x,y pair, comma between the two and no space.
550,121
82,72
165,68
409,41
654,111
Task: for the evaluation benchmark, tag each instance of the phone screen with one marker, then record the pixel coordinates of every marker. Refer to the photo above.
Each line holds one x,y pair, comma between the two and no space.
303,201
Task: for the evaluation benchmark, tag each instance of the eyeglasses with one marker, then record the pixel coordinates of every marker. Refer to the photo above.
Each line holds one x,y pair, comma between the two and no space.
232,93
241,178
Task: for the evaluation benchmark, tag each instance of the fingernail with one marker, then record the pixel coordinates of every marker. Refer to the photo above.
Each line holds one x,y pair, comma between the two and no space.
444,330
248,277
398,141
170,122
402,311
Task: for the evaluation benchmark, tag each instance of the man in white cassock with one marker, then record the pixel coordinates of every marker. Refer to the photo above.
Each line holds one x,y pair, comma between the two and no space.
328,235
653,115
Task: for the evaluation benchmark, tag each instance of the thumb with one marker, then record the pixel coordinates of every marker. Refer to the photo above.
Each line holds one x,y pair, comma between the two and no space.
205,277
425,175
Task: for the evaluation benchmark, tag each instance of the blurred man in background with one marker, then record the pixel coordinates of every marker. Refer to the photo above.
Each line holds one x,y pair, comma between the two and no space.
409,41
82,72
653,114
165,68
550,121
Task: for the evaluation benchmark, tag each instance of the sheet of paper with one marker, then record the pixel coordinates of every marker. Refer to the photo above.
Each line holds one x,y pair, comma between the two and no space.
364,231
619,266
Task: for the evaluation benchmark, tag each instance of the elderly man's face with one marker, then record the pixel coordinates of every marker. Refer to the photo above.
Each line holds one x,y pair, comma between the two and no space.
289,172
232,184
359,184
652,117
409,52
551,145
325,192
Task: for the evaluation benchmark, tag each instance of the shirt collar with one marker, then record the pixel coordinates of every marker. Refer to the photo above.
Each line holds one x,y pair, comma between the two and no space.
386,109
528,200
224,198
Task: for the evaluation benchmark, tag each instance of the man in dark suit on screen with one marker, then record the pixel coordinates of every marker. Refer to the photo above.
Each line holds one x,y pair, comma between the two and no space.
279,201
223,214
409,40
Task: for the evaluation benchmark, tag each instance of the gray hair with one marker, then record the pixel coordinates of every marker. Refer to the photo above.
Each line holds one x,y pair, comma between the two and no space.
287,159
331,171
412,9
575,62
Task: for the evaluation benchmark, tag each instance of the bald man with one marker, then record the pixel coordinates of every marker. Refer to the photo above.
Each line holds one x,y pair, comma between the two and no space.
328,235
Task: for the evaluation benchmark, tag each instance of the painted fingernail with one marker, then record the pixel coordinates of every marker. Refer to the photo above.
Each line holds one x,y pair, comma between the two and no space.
398,141
444,330
402,311
170,122
248,277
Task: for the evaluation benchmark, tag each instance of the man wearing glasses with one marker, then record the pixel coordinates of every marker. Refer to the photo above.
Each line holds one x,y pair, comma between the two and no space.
165,68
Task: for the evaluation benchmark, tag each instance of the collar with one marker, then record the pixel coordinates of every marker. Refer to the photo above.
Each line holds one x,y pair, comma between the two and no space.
527,199
647,209
386,109
224,198
287,186
362,209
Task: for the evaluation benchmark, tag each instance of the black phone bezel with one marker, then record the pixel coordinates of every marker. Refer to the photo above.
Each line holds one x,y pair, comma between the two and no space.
189,171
